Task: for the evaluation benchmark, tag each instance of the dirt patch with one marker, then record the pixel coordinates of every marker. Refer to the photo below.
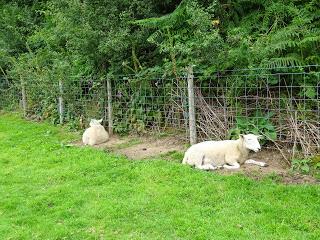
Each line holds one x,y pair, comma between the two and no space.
273,158
138,148
149,148
277,169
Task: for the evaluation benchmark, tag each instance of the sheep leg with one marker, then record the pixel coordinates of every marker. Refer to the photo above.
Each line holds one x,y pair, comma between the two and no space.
206,167
251,161
232,165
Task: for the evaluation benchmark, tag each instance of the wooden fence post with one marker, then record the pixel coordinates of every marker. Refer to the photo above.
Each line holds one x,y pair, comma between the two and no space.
110,120
192,115
60,102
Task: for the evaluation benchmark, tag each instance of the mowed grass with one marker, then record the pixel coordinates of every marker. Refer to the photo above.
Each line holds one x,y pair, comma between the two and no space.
49,190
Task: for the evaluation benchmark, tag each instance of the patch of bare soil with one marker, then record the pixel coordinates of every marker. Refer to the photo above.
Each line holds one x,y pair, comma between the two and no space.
137,148
277,167
151,148
134,147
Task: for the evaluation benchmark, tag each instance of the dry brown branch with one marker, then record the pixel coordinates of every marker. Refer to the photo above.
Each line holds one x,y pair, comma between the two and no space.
212,120
304,134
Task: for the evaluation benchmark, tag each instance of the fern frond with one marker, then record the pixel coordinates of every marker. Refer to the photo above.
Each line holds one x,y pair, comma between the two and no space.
310,40
155,37
314,59
170,19
283,45
288,61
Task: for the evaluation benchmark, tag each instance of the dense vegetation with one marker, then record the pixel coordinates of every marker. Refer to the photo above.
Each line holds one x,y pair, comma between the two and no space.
81,38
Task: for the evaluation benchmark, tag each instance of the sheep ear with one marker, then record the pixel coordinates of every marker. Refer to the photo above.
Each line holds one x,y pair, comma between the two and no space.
241,136
100,120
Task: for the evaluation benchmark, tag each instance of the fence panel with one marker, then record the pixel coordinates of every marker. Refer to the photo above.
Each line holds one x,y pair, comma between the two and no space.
143,104
281,104
10,94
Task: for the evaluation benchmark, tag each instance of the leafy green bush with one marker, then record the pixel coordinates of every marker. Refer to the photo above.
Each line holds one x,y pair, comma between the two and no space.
301,165
307,165
258,124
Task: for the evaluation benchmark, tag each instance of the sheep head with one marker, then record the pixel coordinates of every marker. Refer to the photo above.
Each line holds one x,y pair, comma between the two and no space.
251,141
95,122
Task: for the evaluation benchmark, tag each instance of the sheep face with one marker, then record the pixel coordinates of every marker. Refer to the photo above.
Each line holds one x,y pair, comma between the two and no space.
251,142
95,122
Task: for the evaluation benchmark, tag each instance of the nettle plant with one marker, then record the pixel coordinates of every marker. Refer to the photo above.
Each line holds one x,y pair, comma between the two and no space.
138,107
309,165
301,165
258,124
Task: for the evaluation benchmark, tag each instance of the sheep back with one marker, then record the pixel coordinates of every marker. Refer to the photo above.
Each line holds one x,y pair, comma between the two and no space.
95,135
216,153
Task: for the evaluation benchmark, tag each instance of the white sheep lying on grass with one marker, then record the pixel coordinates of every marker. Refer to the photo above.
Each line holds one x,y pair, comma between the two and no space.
211,155
95,134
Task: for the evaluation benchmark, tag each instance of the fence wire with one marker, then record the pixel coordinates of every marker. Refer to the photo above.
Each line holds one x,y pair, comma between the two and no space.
280,104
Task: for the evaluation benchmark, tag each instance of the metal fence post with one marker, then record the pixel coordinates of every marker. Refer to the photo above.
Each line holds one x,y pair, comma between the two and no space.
24,97
110,120
192,115
60,102
105,101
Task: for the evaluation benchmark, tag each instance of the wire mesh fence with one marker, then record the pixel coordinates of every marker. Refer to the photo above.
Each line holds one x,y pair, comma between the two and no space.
10,95
280,104
144,103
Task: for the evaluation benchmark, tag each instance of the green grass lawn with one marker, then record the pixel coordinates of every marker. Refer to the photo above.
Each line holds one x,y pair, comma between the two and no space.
49,190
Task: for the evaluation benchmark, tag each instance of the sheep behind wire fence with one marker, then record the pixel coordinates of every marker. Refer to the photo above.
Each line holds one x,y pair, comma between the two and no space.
281,104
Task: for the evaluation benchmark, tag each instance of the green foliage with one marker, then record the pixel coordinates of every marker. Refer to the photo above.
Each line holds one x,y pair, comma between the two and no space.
307,165
301,165
137,108
133,36
186,35
258,124
272,33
